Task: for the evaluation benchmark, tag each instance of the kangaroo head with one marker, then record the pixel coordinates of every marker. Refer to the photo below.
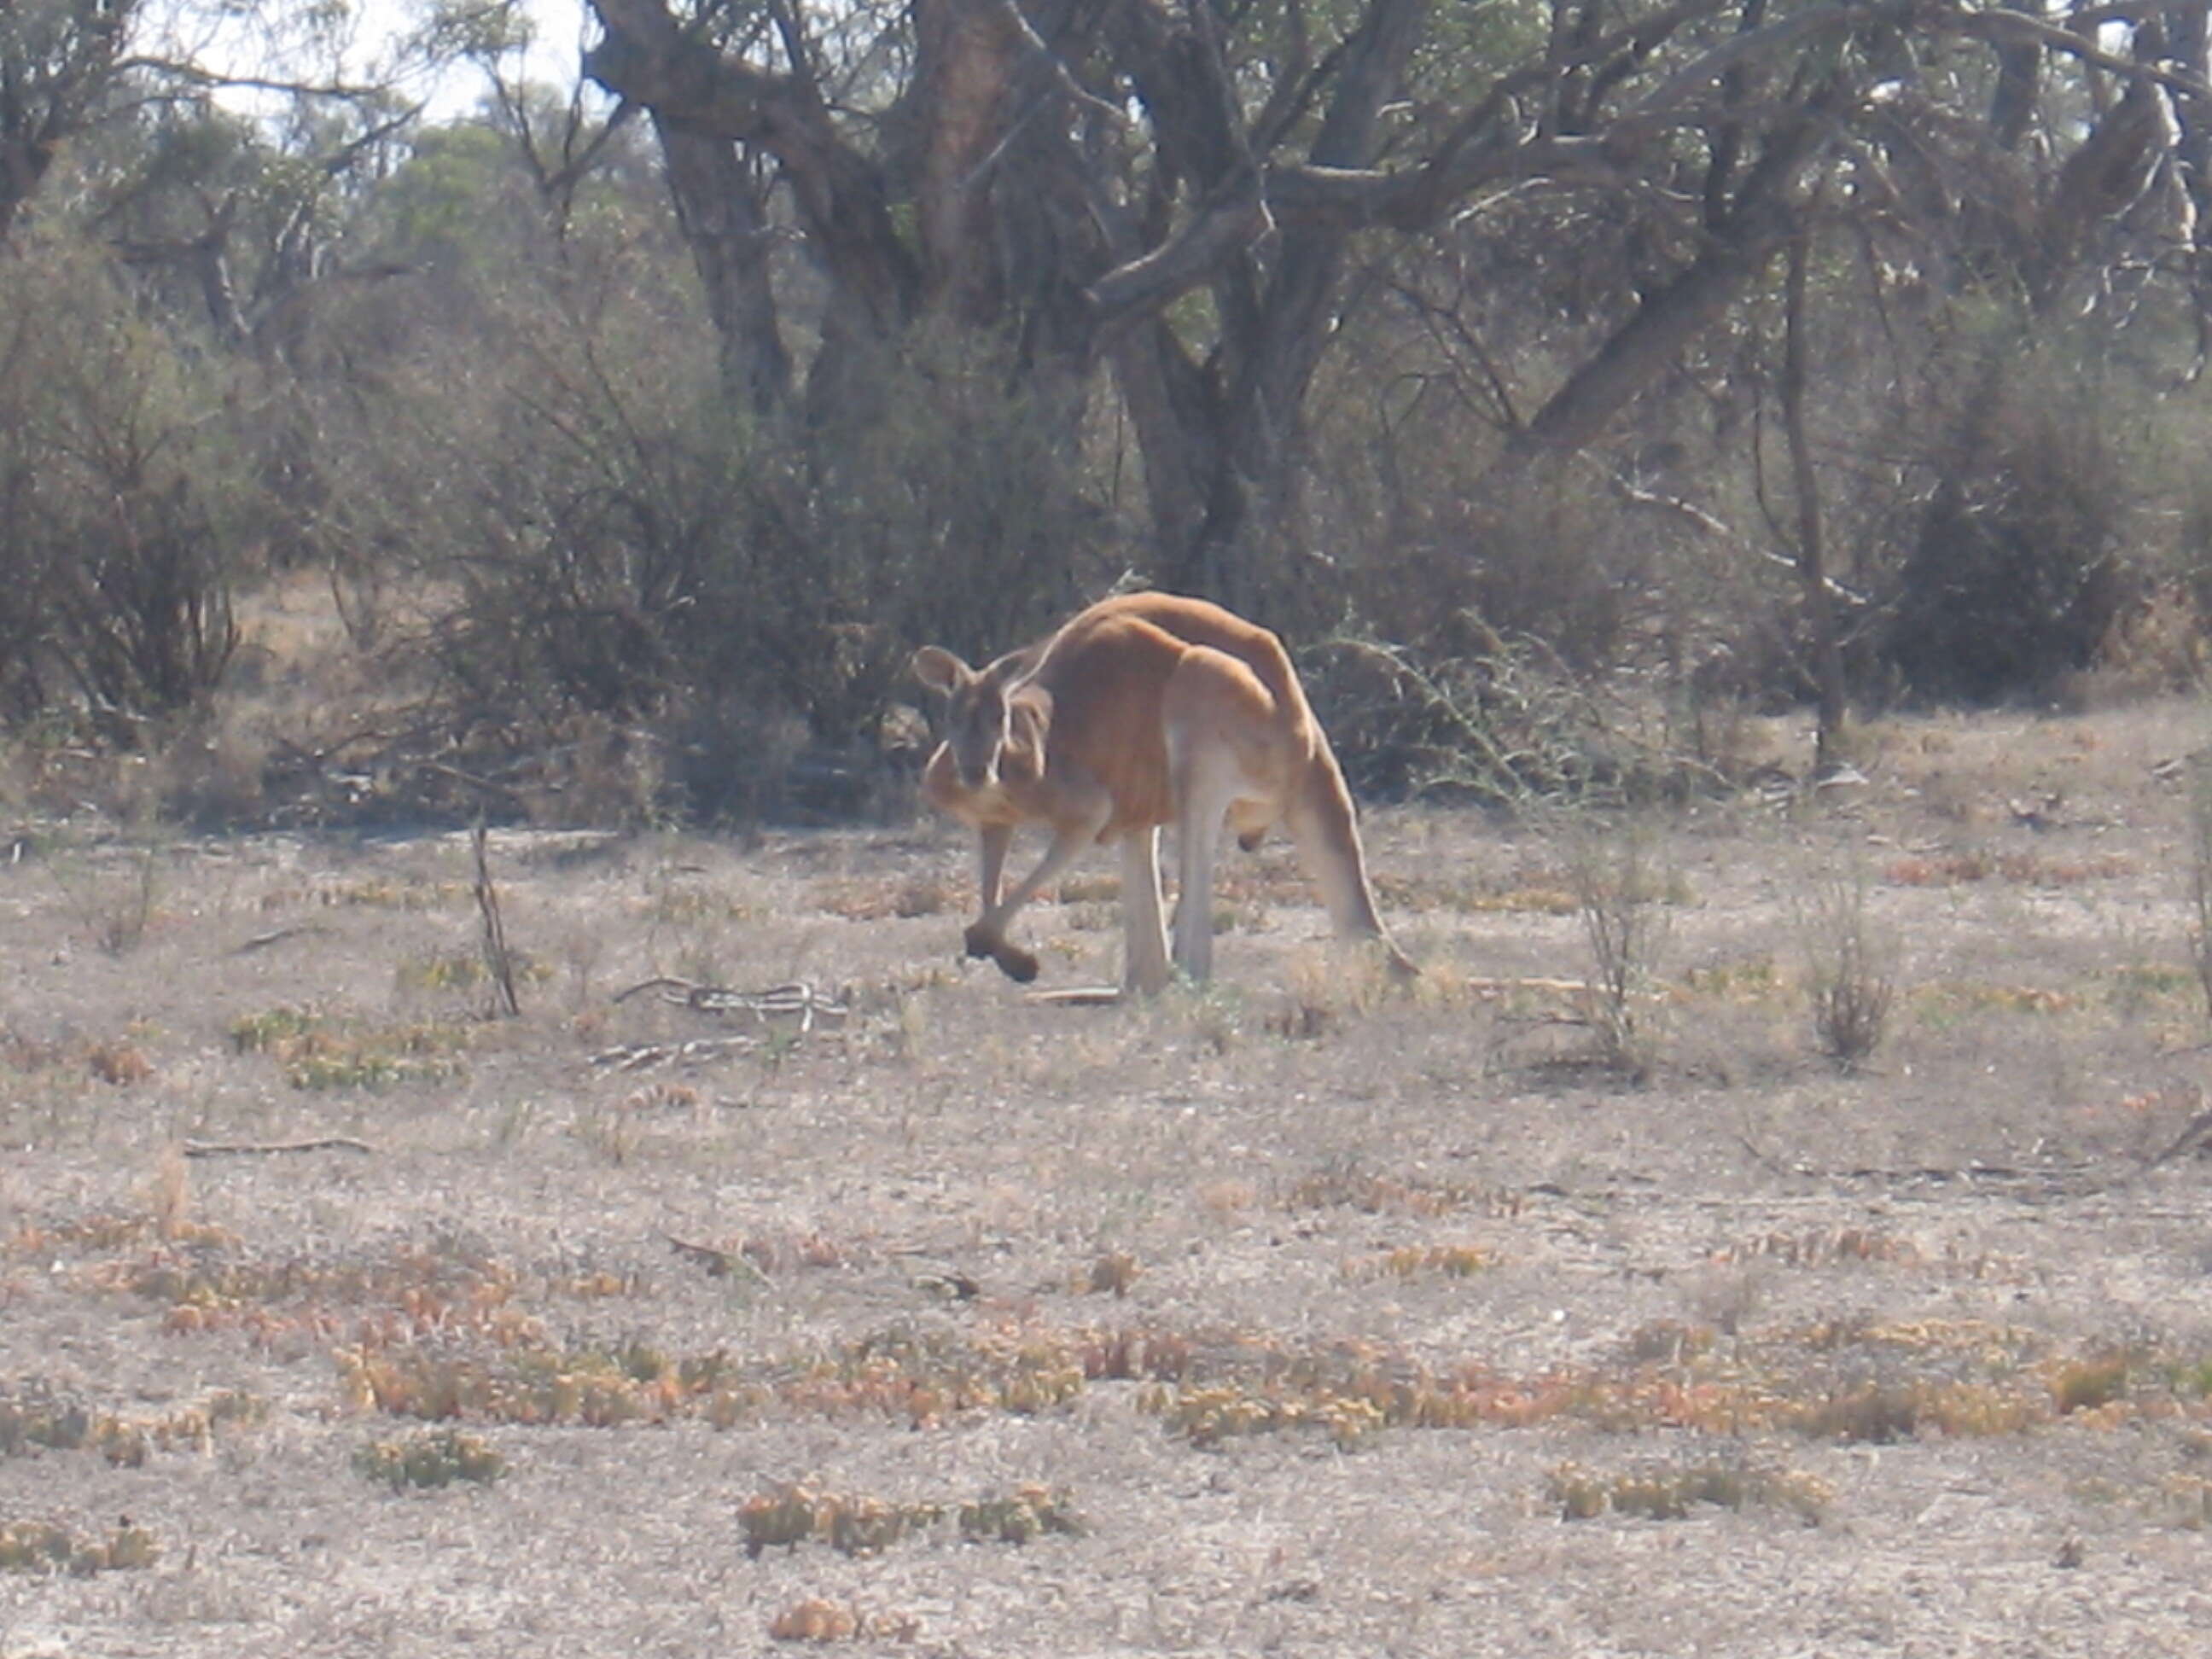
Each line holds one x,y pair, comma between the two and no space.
976,725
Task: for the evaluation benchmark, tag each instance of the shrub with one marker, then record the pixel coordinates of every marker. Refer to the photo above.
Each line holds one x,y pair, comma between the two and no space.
1849,966
2014,578
120,508
429,1458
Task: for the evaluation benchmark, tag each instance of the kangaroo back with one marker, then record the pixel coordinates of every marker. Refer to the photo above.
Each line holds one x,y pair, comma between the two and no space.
1196,622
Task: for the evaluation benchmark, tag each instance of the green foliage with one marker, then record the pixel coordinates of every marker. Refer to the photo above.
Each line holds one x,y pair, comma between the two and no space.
622,554
470,370
791,1514
121,507
459,202
2016,579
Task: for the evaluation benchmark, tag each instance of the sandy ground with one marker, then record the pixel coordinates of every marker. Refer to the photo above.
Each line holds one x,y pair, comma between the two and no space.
1331,1321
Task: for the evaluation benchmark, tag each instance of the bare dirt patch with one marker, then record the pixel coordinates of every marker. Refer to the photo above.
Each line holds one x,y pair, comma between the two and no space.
1291,1314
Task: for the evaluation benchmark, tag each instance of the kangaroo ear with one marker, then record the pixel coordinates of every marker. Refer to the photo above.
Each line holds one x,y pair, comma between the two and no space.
940,670
1017,668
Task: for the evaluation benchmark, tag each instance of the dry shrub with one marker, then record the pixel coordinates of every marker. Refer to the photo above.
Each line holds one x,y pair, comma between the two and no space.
2087,1384
1113,1272
2157,645
44,1547
1343,1184
428,1459
815,1620
1414,1260
646,603
819,1621
1477,718
119,1062
172,1195
35,1415
115,894
1851,964
1621,888
119,503
2015,577
2020,869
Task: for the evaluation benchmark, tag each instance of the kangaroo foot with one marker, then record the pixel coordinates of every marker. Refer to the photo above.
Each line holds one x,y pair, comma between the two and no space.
1014,962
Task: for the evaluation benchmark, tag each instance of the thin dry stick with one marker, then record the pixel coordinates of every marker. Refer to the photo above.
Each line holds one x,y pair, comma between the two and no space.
2192,1138
794,997
263,941
495,935
718,1264
263,1148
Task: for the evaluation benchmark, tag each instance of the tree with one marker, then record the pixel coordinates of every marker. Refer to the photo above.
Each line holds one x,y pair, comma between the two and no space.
1176,192
59,65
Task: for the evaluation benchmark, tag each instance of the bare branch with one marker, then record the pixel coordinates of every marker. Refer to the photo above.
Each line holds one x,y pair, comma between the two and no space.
1994,26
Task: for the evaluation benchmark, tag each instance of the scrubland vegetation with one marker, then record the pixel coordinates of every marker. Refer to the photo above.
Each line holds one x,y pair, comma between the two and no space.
1732,477
574,463
1800,1190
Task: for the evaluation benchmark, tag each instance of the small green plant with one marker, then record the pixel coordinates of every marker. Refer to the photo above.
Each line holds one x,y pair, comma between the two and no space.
322,1051
790,1514
43,1546
429,1458
271,1031
1667,1491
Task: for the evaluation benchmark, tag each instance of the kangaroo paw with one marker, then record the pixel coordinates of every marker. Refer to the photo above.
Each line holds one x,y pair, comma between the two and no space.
1014,962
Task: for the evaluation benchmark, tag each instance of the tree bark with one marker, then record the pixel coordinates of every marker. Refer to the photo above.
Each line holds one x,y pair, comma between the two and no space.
1763,217
1812,552
726,226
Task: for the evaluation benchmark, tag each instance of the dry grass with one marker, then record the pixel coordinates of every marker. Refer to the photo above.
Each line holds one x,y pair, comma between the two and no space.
1330,1302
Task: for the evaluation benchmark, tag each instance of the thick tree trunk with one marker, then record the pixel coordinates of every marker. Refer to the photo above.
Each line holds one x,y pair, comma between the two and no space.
1286,323
726,226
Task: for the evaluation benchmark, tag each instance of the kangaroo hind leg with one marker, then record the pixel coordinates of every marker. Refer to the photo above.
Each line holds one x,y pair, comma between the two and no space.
1326,829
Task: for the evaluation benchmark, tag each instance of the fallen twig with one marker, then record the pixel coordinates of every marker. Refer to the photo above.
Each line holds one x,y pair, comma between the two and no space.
718,1264
795,998
2192,1138
638,1056
265,1148
1078,996
263,941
